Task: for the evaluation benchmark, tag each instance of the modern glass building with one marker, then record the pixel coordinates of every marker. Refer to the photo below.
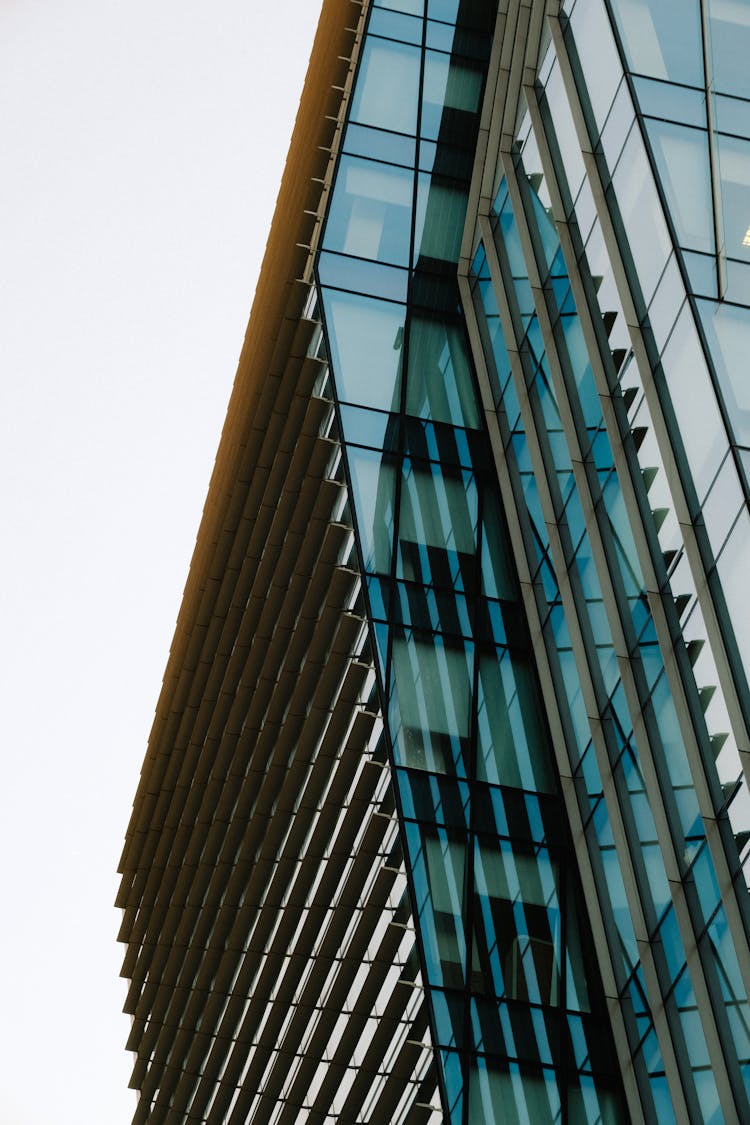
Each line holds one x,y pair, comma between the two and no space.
445,812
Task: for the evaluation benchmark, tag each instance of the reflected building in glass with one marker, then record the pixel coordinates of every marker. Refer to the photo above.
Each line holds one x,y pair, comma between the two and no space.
445,812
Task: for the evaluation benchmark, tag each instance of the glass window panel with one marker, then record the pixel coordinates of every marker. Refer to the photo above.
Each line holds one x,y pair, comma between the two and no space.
675,103
359,276
373,483
440,385
513,1095
738,282
727,328
648,237
667,302
366,338
694,402
732,567
730,46
682,159
596,49
438,865
563,128
430,702
360,140
411,7
734,165
512,744
577,963
518,900
448,85
701,270
395,25
438,510
441,213
386,94
367,427
723,503
370,212
498,568
732,115
663,39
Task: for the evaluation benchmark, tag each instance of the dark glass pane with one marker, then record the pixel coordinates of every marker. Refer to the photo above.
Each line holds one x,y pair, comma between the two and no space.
439,383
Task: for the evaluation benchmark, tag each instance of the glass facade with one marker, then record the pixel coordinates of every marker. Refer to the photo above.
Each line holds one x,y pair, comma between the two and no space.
534,401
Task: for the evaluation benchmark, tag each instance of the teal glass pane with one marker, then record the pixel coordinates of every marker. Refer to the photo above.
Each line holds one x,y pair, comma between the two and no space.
386,94
727,329
376,144
595,47
682,159
373,479
648,237
411,7
370,211
438,511
441,213
512,747
498,568
671,103
447,85
512,1095
662,38
438,863
430,702
699,422
395,25
440,384
366,427
359,276
366,339
576,982
734,166
520,910
730,46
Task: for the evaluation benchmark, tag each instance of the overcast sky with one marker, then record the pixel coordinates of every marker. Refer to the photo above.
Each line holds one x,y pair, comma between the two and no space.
141,148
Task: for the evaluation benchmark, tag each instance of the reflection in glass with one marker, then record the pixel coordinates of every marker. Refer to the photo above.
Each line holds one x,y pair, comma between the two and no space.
370,212
430,702
662,39
683,162
387,90
730,46
366,340
439,383
373,487
734,164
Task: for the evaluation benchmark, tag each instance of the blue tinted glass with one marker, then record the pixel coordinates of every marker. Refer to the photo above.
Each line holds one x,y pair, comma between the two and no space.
366,339
373,484
387,90
730,47
395,25
728,330
734,164
441,213
673,103
663,39
370,211
358,276
377,144
683,161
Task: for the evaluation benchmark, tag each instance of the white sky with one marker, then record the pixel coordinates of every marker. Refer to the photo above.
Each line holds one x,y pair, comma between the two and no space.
141,147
